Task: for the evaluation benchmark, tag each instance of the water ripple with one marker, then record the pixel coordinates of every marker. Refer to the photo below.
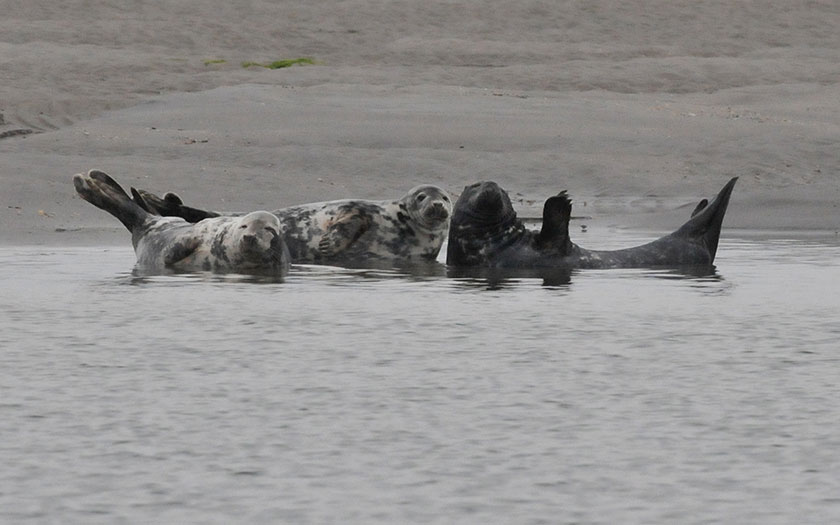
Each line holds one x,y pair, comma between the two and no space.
420,394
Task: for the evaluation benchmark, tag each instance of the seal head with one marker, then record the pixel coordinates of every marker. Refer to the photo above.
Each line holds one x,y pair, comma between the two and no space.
483,224
428,206
257,242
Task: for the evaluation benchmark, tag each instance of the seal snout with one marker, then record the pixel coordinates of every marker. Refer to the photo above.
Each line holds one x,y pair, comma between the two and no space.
438,210
261,236
489,196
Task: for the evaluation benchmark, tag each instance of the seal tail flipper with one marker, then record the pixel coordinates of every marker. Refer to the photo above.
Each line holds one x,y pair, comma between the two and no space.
99,189
700,207
170,205
705,223
140,201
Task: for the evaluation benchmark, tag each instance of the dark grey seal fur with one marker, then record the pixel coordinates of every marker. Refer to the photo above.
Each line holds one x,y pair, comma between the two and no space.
485,232
347,232
251,243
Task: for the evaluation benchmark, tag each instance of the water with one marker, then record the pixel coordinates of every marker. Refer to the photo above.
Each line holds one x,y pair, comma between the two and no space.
353,396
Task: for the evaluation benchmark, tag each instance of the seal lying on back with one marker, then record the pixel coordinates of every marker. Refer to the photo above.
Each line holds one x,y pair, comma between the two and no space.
351,231
485,232
251,243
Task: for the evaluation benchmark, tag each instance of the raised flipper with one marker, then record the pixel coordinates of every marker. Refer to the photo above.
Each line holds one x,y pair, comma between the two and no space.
138,200
700,207
554,234
704,225
344,230
170,205
99,189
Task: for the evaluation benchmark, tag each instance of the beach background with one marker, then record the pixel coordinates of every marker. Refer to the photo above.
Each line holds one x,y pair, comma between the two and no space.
639,109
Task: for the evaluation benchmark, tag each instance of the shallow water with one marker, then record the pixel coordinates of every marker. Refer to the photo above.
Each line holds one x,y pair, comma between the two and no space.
612,396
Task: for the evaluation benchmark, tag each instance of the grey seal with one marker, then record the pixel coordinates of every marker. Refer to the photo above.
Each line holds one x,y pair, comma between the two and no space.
251,243
346,232
485,232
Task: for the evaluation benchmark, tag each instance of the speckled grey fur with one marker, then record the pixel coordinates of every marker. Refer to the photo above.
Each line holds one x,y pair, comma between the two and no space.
250,243
350,231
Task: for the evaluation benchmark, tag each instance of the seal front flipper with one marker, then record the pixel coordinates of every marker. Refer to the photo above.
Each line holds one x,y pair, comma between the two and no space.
700,207
170,205
554,234
343,231
180,251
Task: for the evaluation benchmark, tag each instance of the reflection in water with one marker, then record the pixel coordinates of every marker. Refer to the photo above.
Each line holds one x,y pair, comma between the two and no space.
479,278
371,270
140,276
498,278
467,278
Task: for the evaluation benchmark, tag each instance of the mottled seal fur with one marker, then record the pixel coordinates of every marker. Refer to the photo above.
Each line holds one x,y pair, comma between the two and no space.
250,243
485,232
351,231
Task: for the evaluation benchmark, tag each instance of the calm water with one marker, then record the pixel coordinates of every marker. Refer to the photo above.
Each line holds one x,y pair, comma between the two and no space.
352,396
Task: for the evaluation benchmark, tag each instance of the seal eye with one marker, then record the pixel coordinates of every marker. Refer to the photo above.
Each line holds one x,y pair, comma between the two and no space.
445,198
421,197
243,226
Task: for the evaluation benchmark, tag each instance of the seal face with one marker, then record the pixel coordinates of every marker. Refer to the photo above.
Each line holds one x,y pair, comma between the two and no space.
251,243
484,223
350,231
485,232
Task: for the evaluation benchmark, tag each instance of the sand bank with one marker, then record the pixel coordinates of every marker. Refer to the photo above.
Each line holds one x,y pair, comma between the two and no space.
638,111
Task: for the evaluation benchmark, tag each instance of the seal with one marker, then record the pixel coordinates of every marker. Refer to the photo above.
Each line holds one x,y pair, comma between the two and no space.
485,232
346,232
250,244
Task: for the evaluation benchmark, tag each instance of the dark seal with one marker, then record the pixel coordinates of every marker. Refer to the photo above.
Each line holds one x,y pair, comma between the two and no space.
346,232
250,244
485,232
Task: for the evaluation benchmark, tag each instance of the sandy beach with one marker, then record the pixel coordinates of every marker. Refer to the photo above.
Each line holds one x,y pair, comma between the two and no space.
638,110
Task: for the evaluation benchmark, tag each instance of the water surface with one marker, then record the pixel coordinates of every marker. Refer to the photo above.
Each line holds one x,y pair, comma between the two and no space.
380,396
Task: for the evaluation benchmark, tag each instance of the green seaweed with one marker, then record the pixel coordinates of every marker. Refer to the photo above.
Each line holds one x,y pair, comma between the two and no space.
279,64
210,61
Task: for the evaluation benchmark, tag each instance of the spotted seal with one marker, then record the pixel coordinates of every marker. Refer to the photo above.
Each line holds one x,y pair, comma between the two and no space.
347,232
485,232
251,243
